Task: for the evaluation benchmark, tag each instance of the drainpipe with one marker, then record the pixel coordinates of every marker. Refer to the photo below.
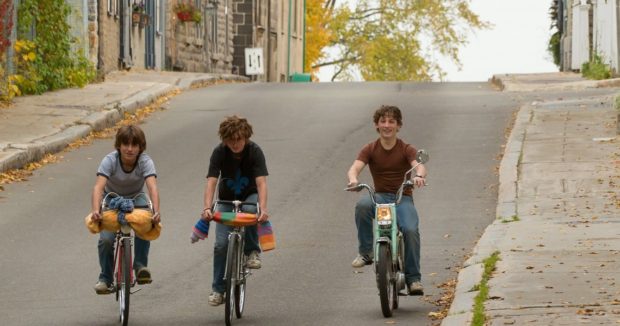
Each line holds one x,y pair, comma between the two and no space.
268,56
100,46
303,60
288,47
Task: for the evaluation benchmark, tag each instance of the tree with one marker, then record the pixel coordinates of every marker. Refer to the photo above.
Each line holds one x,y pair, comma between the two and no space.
398,39
317,34
555,39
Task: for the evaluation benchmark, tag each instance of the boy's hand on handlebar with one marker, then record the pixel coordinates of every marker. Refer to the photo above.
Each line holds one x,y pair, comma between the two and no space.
207,214
95,216
263,217
156,217
419,181
352,186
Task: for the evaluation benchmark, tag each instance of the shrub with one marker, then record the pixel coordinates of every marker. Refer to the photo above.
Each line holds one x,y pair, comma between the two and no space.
596,69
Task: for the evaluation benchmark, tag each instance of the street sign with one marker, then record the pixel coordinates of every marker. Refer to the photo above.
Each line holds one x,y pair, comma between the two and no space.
254,61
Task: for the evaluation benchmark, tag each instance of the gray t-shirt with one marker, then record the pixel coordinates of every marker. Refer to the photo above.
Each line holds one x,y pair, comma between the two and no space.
126,183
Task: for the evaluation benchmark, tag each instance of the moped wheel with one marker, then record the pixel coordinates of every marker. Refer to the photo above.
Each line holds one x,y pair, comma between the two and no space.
231,279
125,285
385,280
400,268
240,286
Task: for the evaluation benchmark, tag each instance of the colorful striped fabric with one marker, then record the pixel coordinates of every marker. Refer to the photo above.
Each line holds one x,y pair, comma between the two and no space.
235,219
266,237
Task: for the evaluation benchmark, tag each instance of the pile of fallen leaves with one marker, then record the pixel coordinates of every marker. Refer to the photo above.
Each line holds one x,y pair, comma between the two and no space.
444,301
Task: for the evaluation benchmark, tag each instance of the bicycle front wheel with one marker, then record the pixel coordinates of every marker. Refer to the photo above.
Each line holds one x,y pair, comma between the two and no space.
385,279
125,281
240,286
232,268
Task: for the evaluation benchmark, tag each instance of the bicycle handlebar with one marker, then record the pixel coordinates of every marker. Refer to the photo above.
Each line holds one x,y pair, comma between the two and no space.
237,204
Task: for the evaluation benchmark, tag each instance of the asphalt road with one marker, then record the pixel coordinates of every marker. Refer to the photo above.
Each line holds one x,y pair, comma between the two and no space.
310,133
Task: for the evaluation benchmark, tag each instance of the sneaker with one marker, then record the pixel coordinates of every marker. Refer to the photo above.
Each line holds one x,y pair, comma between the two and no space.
362,260
216,299
143,276
253,261
415,288
103,288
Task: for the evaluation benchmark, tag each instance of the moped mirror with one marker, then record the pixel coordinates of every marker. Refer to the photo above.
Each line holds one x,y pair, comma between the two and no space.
422,156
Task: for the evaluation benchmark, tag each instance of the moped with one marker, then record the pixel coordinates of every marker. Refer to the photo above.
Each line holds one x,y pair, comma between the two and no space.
389,247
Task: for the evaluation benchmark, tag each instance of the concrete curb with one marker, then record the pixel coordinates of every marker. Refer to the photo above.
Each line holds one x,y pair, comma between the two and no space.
512,85
21,154
461,309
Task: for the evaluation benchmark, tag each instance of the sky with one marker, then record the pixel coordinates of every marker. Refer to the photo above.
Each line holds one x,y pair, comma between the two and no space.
516,43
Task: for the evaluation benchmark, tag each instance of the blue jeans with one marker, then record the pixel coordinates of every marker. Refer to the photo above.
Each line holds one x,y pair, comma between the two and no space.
221,243
408,222
106,250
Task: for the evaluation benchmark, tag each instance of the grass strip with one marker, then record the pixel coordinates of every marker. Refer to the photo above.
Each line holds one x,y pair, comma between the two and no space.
489,266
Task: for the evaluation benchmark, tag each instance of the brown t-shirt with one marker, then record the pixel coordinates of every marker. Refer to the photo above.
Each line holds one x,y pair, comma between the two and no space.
388,167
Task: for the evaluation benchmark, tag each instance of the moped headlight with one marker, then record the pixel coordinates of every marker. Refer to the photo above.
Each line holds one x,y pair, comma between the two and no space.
384,216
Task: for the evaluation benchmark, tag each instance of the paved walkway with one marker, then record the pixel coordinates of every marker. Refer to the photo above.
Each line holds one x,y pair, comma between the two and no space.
560,178
47,123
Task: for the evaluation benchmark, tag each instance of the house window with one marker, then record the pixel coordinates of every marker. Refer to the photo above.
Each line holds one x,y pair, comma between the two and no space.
199,30
113,8
258,13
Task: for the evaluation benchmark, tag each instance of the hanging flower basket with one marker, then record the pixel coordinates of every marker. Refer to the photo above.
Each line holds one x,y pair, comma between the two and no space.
136,17
187,12
138,11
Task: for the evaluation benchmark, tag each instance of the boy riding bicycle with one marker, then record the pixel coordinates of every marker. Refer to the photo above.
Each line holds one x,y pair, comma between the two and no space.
125,171
240,166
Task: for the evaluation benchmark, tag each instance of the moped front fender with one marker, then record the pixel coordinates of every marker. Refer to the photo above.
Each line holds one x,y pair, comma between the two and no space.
379,241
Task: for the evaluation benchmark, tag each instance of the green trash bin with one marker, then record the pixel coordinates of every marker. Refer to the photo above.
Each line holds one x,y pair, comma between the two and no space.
300,78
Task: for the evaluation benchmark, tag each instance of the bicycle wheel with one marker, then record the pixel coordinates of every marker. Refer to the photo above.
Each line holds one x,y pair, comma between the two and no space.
384,279
240,286
231,278
125,282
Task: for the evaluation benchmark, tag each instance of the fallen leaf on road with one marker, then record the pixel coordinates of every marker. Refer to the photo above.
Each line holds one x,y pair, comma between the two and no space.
586,312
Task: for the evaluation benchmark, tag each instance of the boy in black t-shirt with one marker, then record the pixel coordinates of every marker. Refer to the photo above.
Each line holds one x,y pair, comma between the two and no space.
240,166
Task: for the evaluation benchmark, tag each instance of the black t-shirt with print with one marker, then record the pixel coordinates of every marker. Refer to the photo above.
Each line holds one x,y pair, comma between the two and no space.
238,172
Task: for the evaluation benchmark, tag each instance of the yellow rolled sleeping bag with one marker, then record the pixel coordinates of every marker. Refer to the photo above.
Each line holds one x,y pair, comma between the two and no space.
139,220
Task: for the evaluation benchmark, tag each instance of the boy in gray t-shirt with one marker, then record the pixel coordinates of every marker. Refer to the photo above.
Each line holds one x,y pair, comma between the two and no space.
125,172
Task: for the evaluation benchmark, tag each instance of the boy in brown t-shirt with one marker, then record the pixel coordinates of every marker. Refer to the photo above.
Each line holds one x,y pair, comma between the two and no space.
388,159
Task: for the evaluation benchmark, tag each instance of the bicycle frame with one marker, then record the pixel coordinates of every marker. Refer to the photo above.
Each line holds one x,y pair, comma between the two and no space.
124,277
236,270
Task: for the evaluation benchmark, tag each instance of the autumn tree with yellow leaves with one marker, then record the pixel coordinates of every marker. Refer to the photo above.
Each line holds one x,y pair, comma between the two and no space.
388,39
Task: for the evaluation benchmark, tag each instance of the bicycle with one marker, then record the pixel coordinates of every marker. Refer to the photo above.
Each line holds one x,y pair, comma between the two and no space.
389,245
237,271
124,279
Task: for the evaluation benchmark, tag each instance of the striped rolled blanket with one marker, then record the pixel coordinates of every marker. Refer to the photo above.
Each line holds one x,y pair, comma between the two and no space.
235,219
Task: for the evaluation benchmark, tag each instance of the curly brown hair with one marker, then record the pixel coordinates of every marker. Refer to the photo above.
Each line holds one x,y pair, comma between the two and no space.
235,127
388,111
130,134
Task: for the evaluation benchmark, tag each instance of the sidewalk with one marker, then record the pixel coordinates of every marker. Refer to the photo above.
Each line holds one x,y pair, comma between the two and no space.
560,175
35,125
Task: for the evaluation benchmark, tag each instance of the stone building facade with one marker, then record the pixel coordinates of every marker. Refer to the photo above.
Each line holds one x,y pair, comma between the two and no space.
204,46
